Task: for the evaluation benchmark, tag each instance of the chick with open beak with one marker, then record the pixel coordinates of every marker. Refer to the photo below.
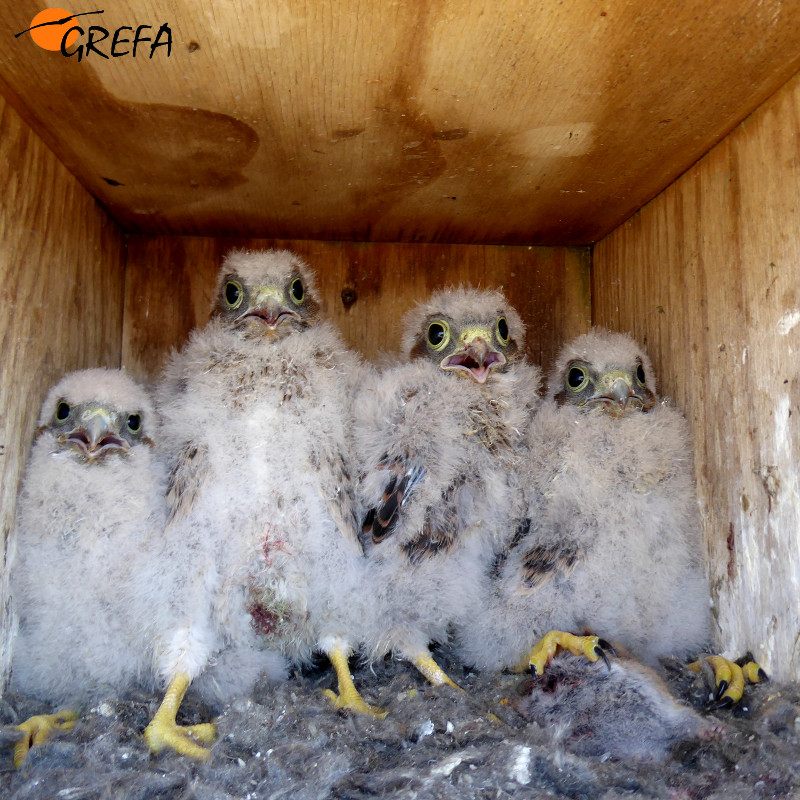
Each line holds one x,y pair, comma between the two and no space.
439,438
474,349
477,355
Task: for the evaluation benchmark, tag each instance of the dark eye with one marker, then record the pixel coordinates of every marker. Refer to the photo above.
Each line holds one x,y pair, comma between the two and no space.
577,378
233,294
62,410
438,334
502,330
640,374
134,423
296,291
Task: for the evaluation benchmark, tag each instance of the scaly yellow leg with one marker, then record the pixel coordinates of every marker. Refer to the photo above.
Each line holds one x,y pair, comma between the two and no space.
591,647
730,678
38,729
433,672
348,696
163,731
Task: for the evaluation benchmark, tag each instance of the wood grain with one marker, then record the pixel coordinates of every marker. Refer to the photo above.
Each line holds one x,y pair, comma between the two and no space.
707,275
364,288
61,261
452,121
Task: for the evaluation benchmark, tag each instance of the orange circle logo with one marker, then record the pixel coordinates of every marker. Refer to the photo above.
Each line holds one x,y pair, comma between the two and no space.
49,37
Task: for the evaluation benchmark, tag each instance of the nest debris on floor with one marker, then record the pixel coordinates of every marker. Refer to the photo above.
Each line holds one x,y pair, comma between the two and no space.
581,731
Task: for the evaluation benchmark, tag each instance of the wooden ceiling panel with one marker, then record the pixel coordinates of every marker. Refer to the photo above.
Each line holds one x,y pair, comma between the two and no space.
502,121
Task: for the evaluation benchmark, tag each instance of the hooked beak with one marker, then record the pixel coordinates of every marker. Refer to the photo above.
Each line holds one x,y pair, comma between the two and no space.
620,393
94,438
269,312
476,359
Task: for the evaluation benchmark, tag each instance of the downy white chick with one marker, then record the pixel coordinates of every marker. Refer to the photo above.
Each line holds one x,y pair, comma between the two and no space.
260,497
86,575
438,442
613,542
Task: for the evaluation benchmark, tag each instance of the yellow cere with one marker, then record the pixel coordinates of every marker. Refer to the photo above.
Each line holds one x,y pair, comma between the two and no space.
468,335
264,293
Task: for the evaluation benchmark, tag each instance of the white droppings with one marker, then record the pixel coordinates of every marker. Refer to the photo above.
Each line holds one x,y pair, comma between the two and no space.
521,770
426,729
789,321
447,766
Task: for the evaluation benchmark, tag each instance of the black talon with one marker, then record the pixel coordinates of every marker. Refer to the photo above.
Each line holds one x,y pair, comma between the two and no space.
721,689
762,676
606,646
726,702
598,651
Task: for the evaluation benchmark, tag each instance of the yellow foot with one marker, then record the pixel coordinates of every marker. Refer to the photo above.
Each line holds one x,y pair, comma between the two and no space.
730,677
184,740
354,702
38,729
591,647
348,697
433,672
164,732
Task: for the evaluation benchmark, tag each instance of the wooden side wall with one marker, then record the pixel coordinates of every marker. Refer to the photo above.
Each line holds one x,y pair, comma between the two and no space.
708,275
365,289
61,271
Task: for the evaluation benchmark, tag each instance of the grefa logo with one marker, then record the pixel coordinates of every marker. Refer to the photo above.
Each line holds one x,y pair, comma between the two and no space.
57,29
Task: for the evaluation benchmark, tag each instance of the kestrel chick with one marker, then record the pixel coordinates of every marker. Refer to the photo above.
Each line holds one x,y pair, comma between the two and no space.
612,541
86,573
256,428
439,439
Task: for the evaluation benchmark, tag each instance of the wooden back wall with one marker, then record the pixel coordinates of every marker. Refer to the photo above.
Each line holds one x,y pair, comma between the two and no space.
364,288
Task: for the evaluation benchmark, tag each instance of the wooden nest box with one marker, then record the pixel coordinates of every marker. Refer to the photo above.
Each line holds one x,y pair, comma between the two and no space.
634,165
